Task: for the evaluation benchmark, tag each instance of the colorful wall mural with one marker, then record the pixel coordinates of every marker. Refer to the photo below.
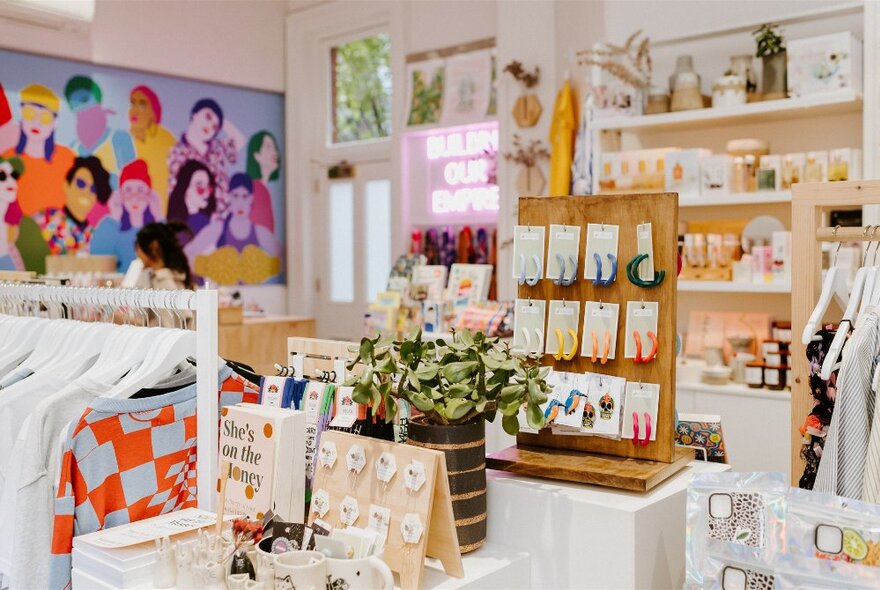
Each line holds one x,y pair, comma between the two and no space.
90,154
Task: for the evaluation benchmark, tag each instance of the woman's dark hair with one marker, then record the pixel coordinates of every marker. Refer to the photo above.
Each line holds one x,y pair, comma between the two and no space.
208,103
99,175
177,210
160,239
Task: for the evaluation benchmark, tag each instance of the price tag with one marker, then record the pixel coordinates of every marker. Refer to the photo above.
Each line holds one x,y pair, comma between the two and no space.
529,236
411,528
321,502
565,235
356,459
386,467
643,313
601,313
328,454
414,475
564,310
530,309
349,511
603,235
645,234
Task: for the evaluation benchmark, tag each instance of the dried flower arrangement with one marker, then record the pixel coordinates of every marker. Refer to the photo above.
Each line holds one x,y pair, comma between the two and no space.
527,154
521,75
630,63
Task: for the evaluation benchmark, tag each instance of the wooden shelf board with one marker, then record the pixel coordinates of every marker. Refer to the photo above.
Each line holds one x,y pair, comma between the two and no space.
636,475
756,198
844,101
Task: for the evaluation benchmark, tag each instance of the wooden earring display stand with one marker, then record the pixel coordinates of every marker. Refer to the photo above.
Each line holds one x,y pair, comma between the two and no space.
432,503
593,459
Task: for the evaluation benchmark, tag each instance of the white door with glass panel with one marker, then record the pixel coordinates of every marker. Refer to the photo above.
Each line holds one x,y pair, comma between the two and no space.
354,248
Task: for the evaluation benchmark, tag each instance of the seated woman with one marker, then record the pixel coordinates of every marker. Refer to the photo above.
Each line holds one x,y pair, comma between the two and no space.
165,265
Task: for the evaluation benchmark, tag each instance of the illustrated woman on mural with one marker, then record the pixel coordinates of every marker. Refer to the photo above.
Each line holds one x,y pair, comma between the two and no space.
263,166
193,200
152,141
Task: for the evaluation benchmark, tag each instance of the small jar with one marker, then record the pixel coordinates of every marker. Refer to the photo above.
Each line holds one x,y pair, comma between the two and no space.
788,379
755,375
782,331
776,359
769,347
774,377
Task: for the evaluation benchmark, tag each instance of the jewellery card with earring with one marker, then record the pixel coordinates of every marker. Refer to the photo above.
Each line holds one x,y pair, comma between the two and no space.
562,329
562,254
573,394
600,331
641,343
528,325
528,254
641,403
606,394
600,262
554,407
640,270
327,455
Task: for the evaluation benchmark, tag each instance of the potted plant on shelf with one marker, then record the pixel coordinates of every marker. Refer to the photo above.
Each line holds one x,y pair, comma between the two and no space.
456,386
771,50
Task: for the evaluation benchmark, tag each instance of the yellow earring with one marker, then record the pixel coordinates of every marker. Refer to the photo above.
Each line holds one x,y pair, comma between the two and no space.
560,353
574,348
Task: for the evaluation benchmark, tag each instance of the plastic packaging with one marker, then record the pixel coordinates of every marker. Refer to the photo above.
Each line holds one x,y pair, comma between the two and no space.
738,509
833,528
793,572
734,567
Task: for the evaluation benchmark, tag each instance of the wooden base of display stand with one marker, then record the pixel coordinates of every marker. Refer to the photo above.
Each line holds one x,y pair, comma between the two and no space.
576,466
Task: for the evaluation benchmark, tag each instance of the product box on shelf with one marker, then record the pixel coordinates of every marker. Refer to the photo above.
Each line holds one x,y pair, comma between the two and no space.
816,167
781,248
770,173
609,170
793,169
845,164
682,170
716,173
826,63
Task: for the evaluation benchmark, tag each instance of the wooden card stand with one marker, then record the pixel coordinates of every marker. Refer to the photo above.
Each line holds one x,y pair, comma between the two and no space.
433,503
625,211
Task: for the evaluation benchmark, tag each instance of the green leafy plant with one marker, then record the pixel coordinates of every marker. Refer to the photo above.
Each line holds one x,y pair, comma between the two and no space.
455,382
769,41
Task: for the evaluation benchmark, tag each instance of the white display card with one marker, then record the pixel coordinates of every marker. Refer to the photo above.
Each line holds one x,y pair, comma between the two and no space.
641,398
349,511
528,242
606,396
641,317
346,408
645,245
563,316
571,393
603,240
565,240
601,318
529,319
273,391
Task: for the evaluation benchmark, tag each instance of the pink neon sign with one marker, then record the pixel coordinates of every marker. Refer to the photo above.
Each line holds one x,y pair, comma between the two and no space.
458,170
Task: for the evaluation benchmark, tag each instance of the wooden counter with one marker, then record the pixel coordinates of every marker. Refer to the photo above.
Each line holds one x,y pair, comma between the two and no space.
262,342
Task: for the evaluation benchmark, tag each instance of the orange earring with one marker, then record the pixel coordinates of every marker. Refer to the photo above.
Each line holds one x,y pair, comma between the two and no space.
595,346
607,346
638,339
654,345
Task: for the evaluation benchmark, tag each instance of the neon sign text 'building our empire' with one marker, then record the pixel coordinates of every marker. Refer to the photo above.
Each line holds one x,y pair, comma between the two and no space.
465,157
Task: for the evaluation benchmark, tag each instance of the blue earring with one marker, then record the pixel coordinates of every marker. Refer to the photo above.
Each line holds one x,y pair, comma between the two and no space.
598,280
560,280
522,270
532,281
574,272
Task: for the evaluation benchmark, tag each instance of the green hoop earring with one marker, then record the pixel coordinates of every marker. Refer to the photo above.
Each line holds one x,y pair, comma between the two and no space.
632,273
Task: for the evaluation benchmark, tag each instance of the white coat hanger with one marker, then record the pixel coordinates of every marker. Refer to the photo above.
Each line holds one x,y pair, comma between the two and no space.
846,323
870,287
829,286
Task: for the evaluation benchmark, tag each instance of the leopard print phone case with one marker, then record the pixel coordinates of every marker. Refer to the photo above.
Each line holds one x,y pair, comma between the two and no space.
736,578
743,522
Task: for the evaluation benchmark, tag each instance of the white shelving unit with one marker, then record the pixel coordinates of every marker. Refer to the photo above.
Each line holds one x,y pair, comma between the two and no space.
757,198
846,101
731,287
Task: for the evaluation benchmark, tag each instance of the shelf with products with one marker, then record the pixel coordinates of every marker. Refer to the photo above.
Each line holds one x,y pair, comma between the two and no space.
734,287
725,199
844,101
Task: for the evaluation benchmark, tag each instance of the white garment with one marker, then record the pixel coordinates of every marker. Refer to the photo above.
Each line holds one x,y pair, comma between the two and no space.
842,468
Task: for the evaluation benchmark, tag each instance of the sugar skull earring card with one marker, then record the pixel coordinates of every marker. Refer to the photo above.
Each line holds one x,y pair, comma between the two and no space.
605,394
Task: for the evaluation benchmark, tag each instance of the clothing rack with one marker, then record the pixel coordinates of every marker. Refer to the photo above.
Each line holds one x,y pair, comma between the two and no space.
204,304
312,356
811,206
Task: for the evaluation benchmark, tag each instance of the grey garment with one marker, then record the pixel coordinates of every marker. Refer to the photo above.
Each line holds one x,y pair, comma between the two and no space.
842,467
34,504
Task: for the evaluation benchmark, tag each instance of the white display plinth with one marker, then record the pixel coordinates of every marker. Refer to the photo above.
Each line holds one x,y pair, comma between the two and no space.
583,536
492,567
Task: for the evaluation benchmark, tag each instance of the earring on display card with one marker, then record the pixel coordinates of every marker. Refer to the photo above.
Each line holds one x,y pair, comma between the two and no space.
539,344
560,261
571,354
539,266
561,340
635,438
522,270
647,438
573,400
632,272
598,281
527,344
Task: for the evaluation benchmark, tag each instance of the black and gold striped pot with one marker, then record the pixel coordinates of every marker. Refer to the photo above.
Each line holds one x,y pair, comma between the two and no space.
465,448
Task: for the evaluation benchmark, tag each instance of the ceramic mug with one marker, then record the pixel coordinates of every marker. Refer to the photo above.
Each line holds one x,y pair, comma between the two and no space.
368,573
303,570
265,562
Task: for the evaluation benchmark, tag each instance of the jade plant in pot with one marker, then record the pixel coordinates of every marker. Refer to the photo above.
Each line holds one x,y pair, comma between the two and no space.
771,50
455,386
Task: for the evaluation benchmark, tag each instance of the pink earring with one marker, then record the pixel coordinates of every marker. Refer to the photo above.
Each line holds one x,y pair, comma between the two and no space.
635,428
647,438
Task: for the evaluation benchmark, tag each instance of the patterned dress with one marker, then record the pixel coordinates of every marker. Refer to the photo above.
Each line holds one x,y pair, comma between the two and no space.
815,427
